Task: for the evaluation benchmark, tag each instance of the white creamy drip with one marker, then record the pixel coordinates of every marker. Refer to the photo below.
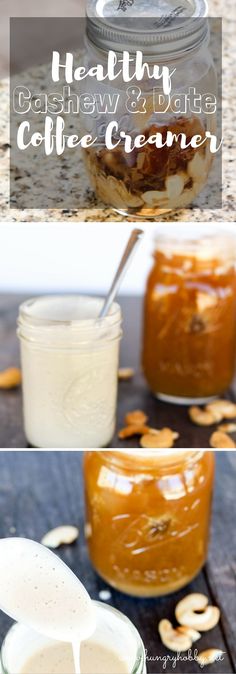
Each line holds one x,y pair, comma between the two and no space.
40,591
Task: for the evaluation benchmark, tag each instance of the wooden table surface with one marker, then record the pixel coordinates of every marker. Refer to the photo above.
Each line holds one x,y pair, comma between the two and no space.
132,395
41,490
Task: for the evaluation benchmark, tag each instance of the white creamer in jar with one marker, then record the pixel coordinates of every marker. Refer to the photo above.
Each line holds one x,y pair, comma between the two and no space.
114,648
69,366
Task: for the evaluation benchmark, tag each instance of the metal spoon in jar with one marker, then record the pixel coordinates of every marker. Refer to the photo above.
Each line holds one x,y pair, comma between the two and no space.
134,240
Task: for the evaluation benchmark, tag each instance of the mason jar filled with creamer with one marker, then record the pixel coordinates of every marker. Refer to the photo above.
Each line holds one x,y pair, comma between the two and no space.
116,642
150,180
69,362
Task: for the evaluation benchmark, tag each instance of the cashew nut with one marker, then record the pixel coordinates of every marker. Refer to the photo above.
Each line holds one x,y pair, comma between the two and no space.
185,612
174,186
164,438
172,638
201,417
209,656
125,373
193,634
197,167
222,409
154,197
64,535
10,378
87,530
220,440
227,428
132,429
136,417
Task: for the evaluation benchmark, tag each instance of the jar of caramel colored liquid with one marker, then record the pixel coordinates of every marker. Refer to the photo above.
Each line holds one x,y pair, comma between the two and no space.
148,513
189,342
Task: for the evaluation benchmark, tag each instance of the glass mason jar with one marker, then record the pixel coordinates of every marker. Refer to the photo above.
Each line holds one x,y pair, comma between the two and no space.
69,366
114,631
189,342
148,514
149,180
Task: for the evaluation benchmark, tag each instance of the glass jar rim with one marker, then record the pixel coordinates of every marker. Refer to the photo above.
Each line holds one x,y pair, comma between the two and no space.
170,32
35,325
204,243
140,654
142,459
108,8
26,313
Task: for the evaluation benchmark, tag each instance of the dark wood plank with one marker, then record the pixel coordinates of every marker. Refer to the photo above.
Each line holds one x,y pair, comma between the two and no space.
221,567
40,490
11,420
132,395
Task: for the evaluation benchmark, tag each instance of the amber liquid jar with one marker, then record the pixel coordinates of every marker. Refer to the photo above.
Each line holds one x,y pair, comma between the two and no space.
189,341
150,180
147,517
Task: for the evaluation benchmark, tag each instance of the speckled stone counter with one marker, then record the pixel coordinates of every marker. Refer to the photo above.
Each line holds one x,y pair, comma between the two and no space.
94,210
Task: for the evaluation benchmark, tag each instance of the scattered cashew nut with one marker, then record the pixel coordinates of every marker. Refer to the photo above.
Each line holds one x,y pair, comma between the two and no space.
136,417
136,425
220,440
209,656
10,378
193,634
213,412
125,373
201,417
87,530
132,429
227,428
186,615
63,535
161,439
222,409
172,638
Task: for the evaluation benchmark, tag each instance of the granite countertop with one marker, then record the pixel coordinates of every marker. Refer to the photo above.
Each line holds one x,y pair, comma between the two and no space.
94,210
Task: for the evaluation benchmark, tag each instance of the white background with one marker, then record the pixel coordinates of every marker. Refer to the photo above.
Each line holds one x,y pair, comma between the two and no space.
79,257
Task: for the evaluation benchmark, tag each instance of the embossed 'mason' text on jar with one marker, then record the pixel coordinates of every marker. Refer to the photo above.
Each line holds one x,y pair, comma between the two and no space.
147,517
69,366
151,180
